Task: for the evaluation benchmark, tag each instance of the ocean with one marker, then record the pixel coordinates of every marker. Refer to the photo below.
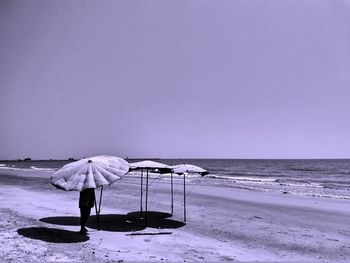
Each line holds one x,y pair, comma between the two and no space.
327,178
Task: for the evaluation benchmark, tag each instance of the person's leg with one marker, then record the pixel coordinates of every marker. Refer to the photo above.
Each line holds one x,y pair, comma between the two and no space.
84,216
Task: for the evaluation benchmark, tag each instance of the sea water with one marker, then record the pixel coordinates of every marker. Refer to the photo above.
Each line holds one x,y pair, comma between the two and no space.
324,178
329,178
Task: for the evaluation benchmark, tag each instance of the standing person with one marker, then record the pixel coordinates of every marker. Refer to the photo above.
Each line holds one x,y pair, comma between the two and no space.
86,202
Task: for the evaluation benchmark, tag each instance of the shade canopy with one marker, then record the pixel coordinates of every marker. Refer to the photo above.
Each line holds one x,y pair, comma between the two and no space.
90,172
151,165
189,168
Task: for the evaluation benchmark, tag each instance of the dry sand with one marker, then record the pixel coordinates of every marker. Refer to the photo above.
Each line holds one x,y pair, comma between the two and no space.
39,224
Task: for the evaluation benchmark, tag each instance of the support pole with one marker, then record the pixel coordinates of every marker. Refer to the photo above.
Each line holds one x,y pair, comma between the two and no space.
146,209
99,206
98,209
141,193
172,195
97,216
184,198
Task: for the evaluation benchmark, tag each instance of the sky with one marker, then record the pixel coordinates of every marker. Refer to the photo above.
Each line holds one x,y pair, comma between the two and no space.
175,79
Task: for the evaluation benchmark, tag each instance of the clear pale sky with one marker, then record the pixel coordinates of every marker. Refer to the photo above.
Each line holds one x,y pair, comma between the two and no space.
201,79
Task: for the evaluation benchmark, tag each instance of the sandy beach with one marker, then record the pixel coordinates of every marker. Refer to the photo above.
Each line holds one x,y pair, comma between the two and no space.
40,223
248,99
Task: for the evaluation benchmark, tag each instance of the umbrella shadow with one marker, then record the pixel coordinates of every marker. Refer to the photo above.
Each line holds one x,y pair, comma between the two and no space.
52,235
62,220
165,223
113,222
119,222
150,214
155,219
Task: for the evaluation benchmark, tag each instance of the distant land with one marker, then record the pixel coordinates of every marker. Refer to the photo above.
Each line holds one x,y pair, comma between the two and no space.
28,159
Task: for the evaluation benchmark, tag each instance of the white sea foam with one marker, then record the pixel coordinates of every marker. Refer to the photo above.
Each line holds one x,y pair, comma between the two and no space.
241,178
42,169
332,196
14,169
27,169
254,179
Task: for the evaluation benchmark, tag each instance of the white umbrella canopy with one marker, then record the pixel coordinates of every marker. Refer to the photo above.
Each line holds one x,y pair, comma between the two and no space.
90,172
189,168
148,165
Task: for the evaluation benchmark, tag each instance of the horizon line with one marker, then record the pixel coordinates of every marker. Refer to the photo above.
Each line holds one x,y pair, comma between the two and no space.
28,159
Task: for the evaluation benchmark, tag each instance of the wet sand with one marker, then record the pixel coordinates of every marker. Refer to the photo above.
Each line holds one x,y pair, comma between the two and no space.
39,223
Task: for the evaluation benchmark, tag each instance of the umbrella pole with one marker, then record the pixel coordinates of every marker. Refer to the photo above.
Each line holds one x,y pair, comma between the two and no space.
141,193
172,195
98,210
99,206
146,197
184,198
97,217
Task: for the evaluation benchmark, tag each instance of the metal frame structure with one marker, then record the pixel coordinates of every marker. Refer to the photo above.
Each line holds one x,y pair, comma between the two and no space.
162,168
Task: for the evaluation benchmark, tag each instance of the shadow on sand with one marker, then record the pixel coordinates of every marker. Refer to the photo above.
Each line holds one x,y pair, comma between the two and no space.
120,223
155,219
62,220
52,235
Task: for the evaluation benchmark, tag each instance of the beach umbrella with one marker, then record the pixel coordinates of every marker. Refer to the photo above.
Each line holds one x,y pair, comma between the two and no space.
148,166
189,168
93,172
183,169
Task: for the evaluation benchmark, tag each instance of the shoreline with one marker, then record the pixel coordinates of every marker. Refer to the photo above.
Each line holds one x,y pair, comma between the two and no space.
224,224
267,185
